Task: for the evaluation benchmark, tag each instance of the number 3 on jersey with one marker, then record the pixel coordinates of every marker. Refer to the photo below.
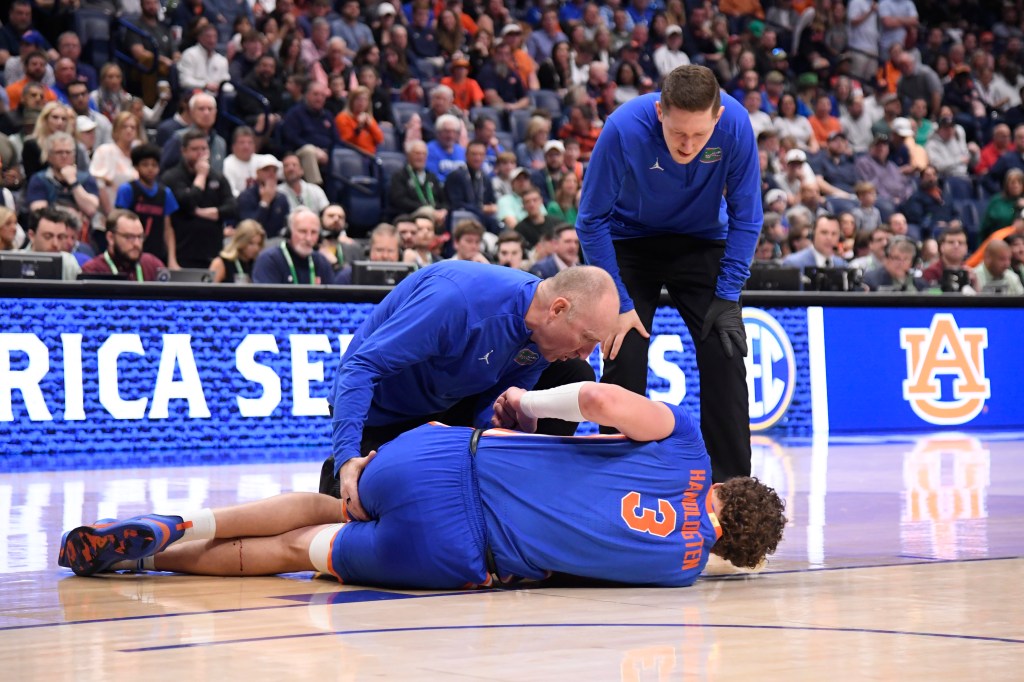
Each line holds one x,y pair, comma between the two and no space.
643,520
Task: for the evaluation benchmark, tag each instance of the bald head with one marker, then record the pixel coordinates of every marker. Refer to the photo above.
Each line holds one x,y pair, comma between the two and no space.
997,258
572,312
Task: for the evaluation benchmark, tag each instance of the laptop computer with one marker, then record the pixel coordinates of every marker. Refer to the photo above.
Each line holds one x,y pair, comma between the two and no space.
31,265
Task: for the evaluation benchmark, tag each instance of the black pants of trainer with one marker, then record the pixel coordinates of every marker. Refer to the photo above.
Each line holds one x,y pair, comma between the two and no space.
463,413
688,268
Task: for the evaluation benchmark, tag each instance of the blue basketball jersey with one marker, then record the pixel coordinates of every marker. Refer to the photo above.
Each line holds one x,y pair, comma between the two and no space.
604,507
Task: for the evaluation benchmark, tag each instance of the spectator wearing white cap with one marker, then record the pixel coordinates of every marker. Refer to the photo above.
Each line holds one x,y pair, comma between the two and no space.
790,179
776,201
261,201
387,15
670,55
904,151
525,66
85,133
510,206
547,178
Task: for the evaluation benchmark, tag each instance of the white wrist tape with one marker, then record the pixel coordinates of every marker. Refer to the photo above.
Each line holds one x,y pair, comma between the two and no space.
560,402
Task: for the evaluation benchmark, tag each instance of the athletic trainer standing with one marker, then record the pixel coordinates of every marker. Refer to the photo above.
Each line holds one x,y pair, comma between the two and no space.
672,198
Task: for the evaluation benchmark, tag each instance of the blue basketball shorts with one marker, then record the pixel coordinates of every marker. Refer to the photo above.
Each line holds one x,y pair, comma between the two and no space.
426,527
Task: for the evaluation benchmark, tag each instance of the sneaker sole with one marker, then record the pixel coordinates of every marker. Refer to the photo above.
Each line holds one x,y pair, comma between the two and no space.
89,550
62,560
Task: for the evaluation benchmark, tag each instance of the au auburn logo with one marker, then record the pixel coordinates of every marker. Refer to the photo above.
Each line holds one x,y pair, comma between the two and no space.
944,350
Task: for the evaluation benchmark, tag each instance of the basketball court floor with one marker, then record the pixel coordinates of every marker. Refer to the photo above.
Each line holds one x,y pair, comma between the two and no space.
902,561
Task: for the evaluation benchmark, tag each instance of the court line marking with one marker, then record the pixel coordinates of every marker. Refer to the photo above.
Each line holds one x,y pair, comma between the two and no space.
509,626
245,609
922,562
714,578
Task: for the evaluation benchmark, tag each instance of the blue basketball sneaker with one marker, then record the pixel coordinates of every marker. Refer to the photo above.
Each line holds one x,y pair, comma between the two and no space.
62,559
93,549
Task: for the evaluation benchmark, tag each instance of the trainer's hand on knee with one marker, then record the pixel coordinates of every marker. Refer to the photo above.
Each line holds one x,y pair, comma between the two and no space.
349,475
627,321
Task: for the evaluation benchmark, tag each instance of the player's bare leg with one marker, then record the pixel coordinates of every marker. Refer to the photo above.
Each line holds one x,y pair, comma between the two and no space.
242,556
277,515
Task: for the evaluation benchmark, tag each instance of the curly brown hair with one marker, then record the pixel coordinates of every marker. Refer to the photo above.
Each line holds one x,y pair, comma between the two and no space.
752,520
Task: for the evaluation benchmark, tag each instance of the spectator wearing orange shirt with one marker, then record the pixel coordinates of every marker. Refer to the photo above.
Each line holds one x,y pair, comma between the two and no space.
356,124
467,92
467,22
582,129
889,73
35,70
525,66
823,123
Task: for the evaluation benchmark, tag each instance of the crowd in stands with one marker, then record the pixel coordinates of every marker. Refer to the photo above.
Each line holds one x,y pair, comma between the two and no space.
283,140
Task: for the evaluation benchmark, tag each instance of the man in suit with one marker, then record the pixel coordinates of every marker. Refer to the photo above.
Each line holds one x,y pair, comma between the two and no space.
822,251
566,255
469,189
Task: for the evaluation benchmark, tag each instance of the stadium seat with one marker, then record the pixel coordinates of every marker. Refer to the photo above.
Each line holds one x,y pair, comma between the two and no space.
345,164
549,101
93,26
971,221
360,196
404,111
489,112
508,142
390,163
428,70
390,143
458,216
227,120
518,122
840,205
959,189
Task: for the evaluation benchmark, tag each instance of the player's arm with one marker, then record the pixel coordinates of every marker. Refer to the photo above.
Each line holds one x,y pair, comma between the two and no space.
746,217
633,415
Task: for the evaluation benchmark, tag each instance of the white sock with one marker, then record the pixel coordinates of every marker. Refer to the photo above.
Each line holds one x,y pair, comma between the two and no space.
204,525
145,564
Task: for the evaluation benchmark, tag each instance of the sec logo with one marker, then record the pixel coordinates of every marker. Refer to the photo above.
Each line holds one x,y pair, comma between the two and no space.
771,369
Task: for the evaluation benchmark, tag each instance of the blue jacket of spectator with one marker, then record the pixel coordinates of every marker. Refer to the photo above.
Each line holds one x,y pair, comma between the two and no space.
301,126
273,217
466,193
